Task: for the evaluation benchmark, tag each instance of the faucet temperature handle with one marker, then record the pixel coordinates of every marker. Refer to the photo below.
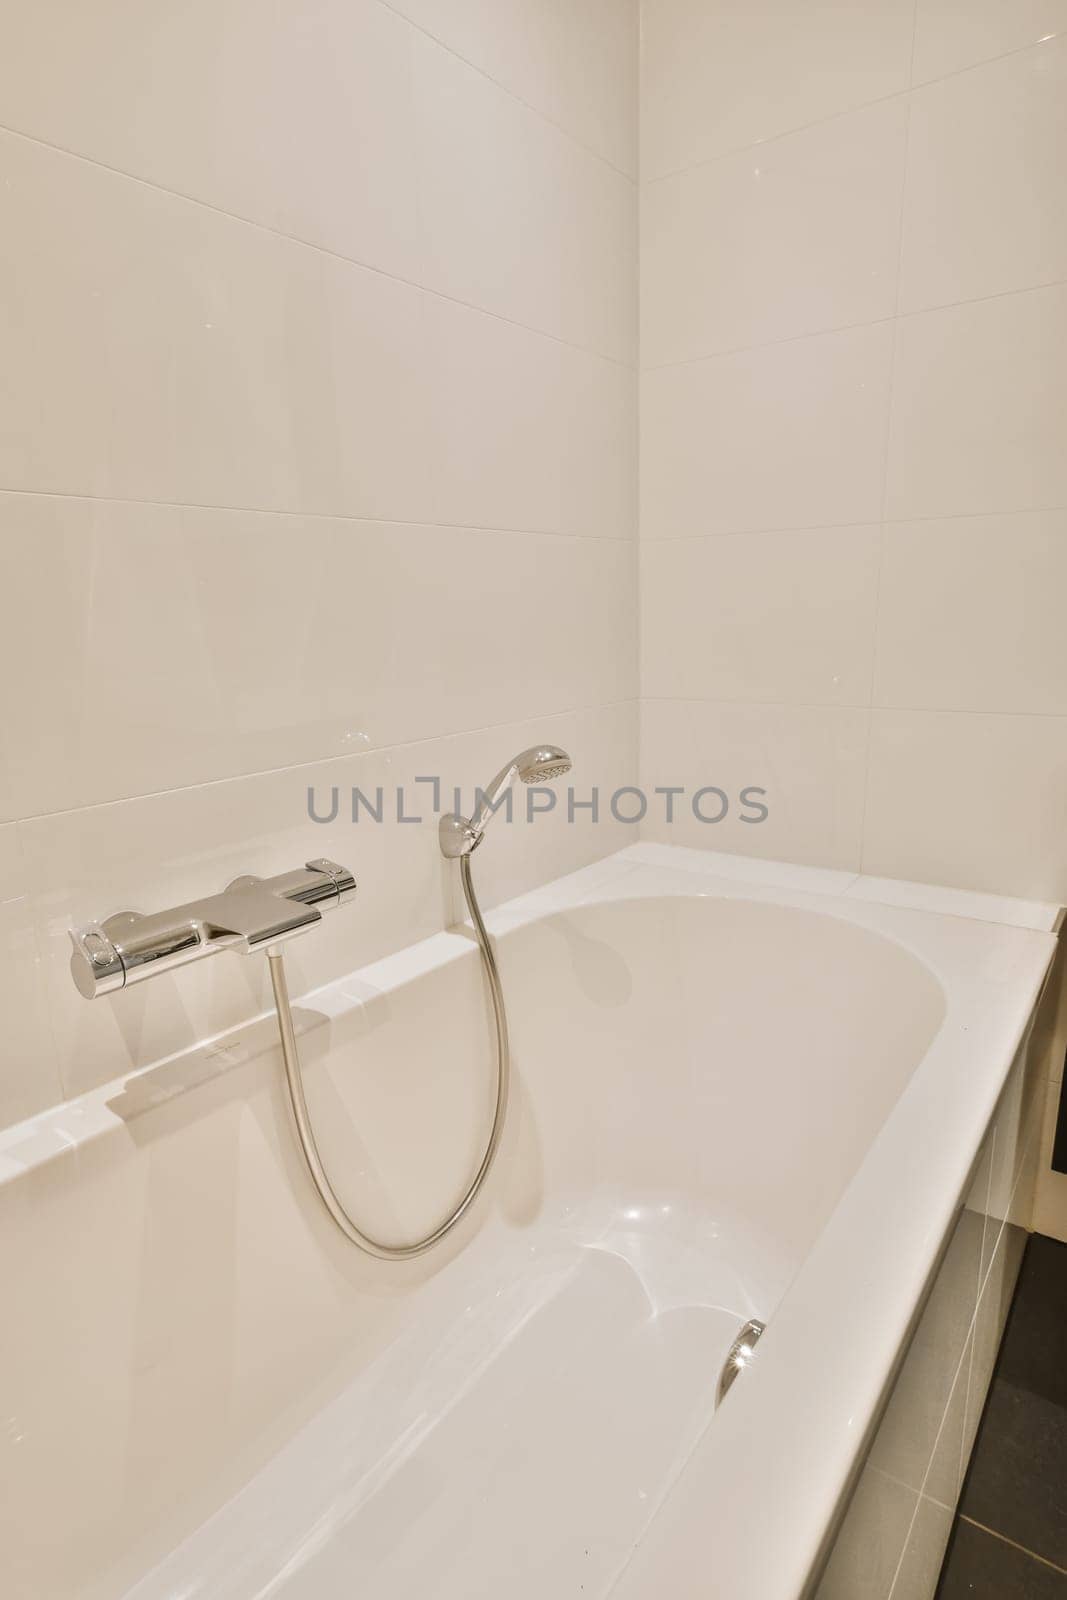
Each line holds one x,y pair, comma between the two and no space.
95,964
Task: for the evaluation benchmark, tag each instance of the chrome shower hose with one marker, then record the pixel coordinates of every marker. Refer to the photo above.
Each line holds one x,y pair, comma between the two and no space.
306,1134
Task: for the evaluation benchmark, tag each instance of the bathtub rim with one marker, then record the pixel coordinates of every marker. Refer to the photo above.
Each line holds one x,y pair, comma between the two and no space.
60,1130
941,928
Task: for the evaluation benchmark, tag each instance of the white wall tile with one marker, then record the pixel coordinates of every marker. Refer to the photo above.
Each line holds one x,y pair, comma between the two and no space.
785,617
525,432
971,614
985,207
179,650
979,395
953,34
516,218
163,849
157,350
809,759
263,506
714,239
717,76
269,113
29,1079
969,800
244,370
792,435
577,64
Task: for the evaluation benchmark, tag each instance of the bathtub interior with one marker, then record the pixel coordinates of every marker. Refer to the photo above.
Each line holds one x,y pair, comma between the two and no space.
697,1079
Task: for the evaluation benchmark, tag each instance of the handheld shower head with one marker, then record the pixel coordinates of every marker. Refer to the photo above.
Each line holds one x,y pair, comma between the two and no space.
540,764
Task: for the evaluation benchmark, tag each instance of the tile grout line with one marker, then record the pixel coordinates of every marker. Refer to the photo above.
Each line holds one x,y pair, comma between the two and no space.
493,529
368,753
306,244
650,540
512,94
848,705
851,111
857,522
854,327
1022,1549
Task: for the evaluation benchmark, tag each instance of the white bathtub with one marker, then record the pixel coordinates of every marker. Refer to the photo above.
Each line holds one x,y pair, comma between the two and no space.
741,1091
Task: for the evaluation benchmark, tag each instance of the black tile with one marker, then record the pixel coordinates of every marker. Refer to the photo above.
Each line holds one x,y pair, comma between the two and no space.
979,1566
1017,1483
1034,1352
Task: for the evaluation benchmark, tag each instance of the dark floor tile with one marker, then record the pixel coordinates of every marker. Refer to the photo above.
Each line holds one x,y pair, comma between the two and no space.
979,1566
1017,1483
1034,1352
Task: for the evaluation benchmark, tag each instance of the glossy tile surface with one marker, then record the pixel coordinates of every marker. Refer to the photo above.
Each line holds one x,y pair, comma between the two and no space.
854,247
809,761
318,467
978,393
985,212
944,797
221,674
950,37
718,76
785,617
1015,1486
516,218
969,615
788,436
577,65
714,238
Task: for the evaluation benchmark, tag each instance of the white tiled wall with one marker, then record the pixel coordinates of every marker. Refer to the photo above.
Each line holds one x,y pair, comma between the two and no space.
317,466
854,430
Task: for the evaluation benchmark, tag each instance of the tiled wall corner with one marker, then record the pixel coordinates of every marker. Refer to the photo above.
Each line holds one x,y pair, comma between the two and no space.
853,492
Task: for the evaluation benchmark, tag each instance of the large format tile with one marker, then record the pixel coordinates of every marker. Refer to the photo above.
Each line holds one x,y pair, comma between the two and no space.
159,350
920,1564
985,206
29,1080
714,239
918,1440
717,76
807,760
167,848
187,645
868,1547
517,219
971,801
980,1566
576,64
979,395
525,432
788,436
971,614
241,369
1015,1485
258,111
950,36
760,616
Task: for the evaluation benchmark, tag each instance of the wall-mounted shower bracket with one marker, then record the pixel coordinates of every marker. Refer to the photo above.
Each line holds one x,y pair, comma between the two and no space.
251,914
